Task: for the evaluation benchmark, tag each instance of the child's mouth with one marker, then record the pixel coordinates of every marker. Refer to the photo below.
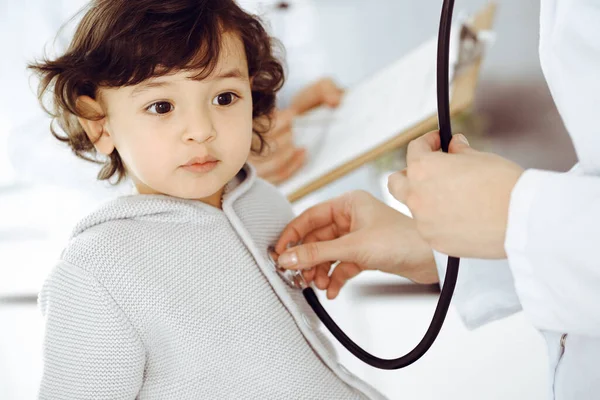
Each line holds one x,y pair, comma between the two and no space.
201,165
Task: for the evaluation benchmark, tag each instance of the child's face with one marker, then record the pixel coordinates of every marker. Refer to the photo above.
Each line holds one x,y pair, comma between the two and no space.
164,123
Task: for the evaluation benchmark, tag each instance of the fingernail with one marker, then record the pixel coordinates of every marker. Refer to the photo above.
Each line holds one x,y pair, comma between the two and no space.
462,138
287,259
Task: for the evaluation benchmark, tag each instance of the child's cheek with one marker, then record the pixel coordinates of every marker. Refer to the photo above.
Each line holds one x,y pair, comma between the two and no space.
236,132
148,155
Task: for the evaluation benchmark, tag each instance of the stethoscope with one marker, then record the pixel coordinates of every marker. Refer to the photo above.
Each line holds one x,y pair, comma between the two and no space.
296,278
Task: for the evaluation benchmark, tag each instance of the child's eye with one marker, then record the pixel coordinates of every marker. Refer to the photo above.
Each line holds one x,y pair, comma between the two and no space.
160,107
225,99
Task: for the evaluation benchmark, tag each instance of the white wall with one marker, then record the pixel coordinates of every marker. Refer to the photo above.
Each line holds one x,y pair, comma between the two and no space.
353,29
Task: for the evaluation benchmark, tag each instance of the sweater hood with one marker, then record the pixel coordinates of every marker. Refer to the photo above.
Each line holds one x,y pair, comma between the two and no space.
159,207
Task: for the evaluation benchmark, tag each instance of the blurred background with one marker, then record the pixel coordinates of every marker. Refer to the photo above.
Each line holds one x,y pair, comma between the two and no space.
44,190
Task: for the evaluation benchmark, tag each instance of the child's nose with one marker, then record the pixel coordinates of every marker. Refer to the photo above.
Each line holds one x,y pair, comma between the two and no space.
199,128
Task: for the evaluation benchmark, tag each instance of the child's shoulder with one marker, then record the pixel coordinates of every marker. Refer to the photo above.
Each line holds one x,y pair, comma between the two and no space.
123,229
100,249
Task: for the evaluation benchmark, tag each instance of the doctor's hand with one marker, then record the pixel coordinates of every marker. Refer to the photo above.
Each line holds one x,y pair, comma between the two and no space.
458,199
363,234
281,158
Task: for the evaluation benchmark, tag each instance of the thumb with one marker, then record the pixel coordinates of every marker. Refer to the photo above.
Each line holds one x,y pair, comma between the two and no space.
310,254
333,97
459,144
398,185
331,94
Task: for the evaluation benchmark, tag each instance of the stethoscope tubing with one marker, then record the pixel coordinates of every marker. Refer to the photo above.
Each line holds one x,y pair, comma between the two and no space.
443,102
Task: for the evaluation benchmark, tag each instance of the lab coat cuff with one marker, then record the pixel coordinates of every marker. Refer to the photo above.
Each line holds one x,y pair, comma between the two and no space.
551,243
484,290
518,239
522,199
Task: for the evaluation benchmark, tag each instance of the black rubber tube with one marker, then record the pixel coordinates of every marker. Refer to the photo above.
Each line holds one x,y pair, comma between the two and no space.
443,93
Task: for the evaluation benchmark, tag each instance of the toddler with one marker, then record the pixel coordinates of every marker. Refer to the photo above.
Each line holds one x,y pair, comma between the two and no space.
168,293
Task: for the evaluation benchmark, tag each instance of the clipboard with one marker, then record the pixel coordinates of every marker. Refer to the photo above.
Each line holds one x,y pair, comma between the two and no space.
465,67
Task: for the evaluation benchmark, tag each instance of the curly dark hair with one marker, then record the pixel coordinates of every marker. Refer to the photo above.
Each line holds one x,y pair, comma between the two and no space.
124,42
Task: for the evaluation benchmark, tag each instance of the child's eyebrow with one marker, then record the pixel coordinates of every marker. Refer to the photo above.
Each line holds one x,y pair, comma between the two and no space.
233,73
148,85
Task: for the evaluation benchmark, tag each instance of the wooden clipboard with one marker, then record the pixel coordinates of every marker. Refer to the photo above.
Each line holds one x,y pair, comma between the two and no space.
463,96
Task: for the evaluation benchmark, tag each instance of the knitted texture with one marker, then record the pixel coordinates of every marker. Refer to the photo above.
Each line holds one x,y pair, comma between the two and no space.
157,297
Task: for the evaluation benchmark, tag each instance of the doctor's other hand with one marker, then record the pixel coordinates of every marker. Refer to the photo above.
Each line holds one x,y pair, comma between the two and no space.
458,199
281,158
363,234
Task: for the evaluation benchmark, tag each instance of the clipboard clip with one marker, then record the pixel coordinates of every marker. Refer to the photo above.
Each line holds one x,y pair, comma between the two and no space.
472,45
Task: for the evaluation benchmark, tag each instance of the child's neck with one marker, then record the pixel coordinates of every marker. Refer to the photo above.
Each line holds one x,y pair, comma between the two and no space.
215,200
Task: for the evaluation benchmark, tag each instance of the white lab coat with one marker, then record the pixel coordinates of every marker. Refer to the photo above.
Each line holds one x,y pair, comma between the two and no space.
552,272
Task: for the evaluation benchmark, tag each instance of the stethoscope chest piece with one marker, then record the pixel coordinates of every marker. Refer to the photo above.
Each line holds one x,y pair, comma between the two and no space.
294,279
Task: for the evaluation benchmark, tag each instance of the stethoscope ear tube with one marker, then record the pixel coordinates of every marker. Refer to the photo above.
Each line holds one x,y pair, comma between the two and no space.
443,100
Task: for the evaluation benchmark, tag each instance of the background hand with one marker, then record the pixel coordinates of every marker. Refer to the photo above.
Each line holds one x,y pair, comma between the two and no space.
282,159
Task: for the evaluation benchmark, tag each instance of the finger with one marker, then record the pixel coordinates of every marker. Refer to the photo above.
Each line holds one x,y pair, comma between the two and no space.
272,163
329,232
323,91
459,144
311,254
314,218
273,146
321,235
282,122
322,276
399,185
309,274
282,141
340,275
331,93
289,169
333,99
423,145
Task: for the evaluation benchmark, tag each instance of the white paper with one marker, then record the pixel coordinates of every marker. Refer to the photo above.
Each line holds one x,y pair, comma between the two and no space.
371,113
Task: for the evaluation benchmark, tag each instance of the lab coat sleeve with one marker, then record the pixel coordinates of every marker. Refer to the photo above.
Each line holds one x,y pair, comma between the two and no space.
484,290
552,241
91,351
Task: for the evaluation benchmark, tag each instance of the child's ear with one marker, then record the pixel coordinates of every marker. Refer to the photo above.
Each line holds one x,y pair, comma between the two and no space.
95,129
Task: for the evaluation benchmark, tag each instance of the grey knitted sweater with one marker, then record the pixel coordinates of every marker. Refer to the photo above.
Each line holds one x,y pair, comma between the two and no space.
157,297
